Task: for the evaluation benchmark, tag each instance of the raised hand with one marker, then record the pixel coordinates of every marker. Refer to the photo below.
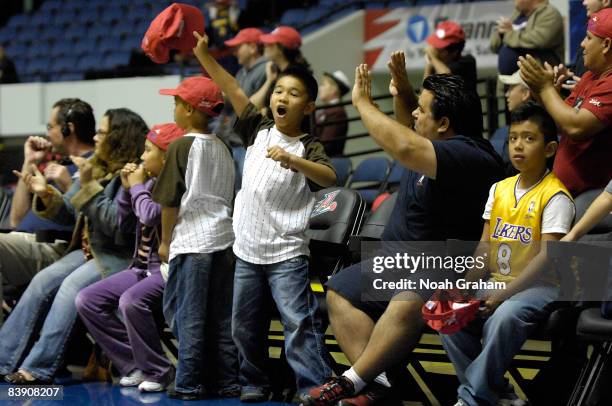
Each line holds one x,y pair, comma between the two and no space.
504,25
536,76
34,180
59,175
271,71
85,169
201,47
35,148
399,83
362,90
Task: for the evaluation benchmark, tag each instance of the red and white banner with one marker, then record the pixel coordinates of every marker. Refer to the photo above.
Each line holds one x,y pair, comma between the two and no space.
407,29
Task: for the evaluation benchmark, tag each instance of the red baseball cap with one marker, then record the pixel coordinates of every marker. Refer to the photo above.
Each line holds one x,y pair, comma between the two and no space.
244,36
163,134
446,33
201,93
449,316
173,29
600,23
286,36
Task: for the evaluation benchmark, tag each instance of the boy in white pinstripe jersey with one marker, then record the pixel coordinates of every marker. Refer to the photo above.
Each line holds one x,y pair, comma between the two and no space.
283,167
195,189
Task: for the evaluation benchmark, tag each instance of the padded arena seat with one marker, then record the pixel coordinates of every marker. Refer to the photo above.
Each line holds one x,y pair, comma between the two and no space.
373,227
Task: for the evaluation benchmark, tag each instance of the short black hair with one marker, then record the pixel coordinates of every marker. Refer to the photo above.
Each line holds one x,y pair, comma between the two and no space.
459,103
80,114
534,112
456,47
304,76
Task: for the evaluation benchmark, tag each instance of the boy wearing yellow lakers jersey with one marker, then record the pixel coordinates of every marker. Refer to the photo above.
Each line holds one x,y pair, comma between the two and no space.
522,211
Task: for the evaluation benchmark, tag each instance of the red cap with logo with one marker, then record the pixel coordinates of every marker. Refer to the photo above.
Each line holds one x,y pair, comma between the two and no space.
199,92
173,29
245,36
449,316
600,23
286,36
163,134
446,33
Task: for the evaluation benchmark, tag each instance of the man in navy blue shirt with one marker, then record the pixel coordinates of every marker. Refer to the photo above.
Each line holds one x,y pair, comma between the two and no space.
448,170
70,131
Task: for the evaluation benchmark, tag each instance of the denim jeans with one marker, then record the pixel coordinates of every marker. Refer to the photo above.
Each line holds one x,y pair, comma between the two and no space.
56,285
198,307
480,366
289,284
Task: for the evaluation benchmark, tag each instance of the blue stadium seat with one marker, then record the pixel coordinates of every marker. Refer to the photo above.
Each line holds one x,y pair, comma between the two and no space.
38,66
76,32
294,17
115,59
6,36
130,43
41,19
112,14
51,6
18,21
138,13
21,62
89,61
52,33
314,13
89,15
66,64
84,46
64,17
123,27
16,49
29,35
395,176
343,167
61,48
110,44
65,77
369,177
428,2
97,31
38,50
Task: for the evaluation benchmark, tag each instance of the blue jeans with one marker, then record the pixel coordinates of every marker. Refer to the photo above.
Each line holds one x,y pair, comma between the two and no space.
480,366
56,285
198,307
289,285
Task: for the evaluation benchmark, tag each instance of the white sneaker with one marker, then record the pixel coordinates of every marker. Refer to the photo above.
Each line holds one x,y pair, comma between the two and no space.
150,386
511,402
460,402
134,378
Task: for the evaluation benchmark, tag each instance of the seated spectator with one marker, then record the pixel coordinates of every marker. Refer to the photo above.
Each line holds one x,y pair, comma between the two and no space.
8,73
251,76
98,249
70,131
445,160
132,342
535,27
443,55
536,201
583,119
517,93
331,90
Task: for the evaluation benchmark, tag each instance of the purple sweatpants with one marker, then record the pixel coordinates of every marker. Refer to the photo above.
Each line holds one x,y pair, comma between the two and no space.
134,342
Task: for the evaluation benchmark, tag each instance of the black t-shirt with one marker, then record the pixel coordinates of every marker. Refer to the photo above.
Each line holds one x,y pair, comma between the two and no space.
465,67
449,207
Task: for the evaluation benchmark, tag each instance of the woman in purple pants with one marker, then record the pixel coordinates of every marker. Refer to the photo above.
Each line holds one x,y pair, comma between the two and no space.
132,342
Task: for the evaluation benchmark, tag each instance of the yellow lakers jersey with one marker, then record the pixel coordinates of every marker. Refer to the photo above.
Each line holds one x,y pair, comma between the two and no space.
515,226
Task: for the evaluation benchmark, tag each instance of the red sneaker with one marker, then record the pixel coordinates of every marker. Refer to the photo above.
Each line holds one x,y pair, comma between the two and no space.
329,393
373,394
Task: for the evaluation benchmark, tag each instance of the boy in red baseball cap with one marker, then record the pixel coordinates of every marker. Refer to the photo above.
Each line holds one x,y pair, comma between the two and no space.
132,342
443,55
283,168
196,190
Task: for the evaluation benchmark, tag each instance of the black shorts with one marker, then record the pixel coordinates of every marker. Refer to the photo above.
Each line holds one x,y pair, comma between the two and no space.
347,283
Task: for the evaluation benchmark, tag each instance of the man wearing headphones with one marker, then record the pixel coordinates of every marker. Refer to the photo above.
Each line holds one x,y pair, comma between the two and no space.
70,131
